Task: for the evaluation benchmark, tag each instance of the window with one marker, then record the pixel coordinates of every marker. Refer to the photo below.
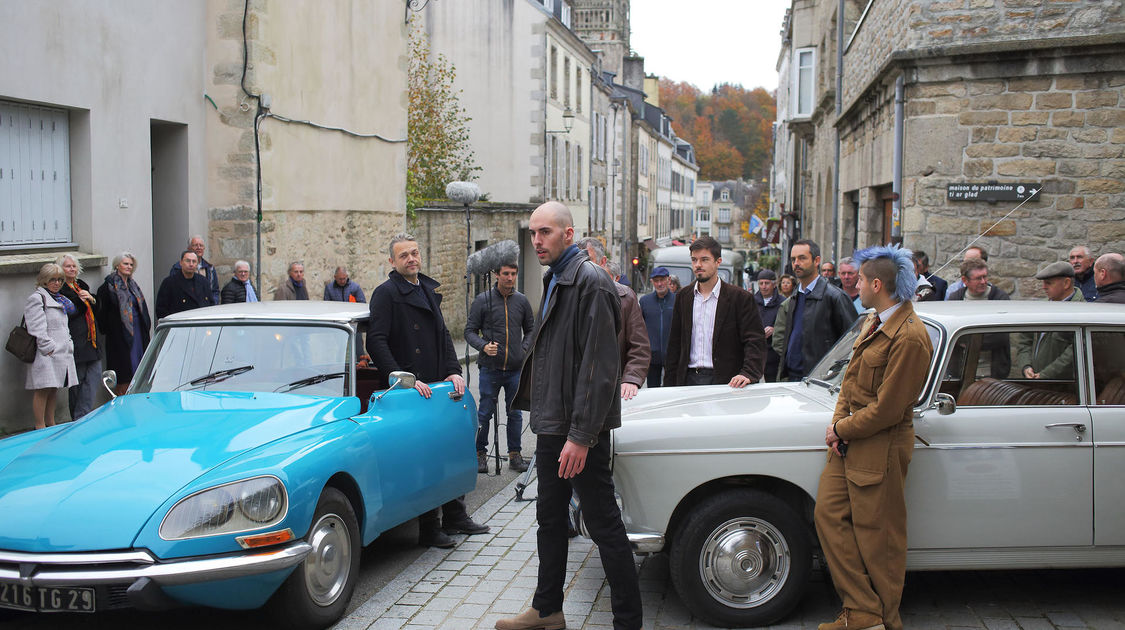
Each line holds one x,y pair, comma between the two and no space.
34,175
578,89
578,170
724,215
804,82
725,195
566,171
549,5
566,15
1108,349
553,168
982,373
644,210
724,234
704,216
566,82
554,78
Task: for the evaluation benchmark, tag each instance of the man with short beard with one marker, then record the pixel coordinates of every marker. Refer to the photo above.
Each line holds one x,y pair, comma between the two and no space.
406,331
717,335
812,319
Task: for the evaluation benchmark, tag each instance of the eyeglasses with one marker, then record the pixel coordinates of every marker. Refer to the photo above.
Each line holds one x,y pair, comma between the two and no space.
55,280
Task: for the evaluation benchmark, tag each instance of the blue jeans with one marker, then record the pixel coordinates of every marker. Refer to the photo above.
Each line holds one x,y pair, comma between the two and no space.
491,380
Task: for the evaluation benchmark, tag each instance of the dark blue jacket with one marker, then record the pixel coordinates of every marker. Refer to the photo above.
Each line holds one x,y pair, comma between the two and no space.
1086,283
657,312
336,293
407,332
207,270
940,285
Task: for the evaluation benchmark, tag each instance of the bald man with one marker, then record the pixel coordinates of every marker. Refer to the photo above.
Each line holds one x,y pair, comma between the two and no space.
1109,275
570,382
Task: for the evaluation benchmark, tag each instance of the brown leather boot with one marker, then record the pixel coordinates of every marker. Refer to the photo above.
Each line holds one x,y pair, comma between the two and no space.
530,620
854,620
516,461
482,462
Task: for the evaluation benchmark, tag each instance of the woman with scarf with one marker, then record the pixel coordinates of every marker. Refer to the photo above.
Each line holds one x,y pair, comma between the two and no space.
84,334
45,315
123,317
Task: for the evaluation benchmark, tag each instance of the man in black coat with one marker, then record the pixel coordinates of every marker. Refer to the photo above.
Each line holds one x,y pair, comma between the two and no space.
407,332
717,335
812,319
1109,274
239,289
184,290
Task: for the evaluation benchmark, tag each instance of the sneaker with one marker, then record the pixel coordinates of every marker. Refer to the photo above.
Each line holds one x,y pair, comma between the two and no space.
435,538
854,620
465,526
516,461
530,620
482,462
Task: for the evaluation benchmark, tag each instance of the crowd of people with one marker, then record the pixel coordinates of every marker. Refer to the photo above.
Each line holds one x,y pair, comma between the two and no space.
78,330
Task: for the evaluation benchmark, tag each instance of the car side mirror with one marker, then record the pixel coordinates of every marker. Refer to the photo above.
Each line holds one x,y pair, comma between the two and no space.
109,379
398,380
945,404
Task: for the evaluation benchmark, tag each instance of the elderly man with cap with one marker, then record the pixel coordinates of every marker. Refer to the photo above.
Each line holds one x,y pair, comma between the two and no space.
1051,354
656,308
769,300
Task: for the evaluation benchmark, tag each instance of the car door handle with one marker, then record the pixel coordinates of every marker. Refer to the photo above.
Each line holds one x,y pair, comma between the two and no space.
1078,427
457,397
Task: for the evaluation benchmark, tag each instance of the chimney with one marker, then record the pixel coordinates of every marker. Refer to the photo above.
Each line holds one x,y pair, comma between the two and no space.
634,71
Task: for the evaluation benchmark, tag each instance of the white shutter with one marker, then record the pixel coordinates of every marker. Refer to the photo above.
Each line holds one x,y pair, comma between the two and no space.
35,180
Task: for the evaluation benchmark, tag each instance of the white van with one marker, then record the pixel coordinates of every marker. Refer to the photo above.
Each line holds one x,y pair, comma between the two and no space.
677,259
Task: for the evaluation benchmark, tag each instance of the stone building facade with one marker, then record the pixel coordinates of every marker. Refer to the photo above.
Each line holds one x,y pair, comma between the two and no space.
328,197
604,26
1004,91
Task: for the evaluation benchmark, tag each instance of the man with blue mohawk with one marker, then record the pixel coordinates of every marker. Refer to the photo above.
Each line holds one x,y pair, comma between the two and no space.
860,505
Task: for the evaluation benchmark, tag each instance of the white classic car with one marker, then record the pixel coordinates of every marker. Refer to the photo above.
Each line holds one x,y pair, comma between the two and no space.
1011,469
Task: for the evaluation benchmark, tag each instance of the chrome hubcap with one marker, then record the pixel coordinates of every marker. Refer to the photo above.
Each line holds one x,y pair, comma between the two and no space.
744,562
328,564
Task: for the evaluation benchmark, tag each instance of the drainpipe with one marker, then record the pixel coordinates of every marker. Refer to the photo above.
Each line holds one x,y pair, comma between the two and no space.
839,110
896,184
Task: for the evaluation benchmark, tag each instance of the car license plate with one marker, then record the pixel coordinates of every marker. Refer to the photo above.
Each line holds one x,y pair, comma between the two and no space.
45,598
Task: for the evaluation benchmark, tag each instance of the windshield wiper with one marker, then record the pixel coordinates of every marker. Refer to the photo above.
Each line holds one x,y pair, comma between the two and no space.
311,380
215,377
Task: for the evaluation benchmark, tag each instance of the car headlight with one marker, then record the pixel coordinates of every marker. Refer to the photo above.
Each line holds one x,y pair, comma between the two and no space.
227,509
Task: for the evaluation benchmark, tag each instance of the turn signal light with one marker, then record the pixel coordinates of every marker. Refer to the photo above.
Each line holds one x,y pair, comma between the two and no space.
265,540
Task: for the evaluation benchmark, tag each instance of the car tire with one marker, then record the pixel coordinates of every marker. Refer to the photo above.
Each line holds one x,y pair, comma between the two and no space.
316,594
741,559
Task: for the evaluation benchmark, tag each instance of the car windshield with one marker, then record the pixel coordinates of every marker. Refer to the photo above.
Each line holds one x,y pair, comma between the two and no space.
831,368
241,357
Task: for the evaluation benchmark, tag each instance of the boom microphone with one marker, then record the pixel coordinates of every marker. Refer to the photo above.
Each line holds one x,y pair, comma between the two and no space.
491,258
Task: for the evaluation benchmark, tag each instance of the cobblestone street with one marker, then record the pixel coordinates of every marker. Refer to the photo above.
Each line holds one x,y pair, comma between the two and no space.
491,576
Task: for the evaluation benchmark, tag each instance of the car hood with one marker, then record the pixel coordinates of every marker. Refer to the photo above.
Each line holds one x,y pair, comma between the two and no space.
94,483
759,416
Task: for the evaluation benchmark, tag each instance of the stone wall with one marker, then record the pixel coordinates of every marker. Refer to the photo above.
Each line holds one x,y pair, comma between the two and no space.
895,25
1065,132
440,230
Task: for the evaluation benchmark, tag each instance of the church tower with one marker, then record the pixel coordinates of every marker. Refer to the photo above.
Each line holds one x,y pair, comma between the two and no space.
603,25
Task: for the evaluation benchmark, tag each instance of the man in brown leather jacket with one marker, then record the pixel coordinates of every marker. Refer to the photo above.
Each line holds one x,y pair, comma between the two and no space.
860,509
632,341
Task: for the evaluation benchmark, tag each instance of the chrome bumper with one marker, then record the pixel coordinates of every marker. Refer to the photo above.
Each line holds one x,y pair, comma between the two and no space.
88,569
646,543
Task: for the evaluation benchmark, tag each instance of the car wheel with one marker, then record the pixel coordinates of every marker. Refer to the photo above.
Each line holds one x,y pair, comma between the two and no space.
317,592
742,558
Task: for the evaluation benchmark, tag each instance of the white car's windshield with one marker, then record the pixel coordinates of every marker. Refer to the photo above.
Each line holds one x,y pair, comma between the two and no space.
309,360
831,368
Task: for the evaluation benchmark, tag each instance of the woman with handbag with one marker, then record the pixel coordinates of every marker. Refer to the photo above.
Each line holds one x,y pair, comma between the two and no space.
84,334
123,317
46,313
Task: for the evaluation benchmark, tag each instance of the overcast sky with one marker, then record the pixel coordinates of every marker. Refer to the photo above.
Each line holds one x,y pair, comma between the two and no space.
705,42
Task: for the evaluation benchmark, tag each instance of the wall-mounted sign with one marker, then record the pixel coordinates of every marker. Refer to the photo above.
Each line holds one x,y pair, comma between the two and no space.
992,192
773,230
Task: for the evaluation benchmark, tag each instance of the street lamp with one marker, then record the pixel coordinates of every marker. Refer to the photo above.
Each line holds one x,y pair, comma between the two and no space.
568,121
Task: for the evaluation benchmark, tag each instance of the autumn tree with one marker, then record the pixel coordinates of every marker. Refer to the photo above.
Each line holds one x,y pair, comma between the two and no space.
438,149
730,127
